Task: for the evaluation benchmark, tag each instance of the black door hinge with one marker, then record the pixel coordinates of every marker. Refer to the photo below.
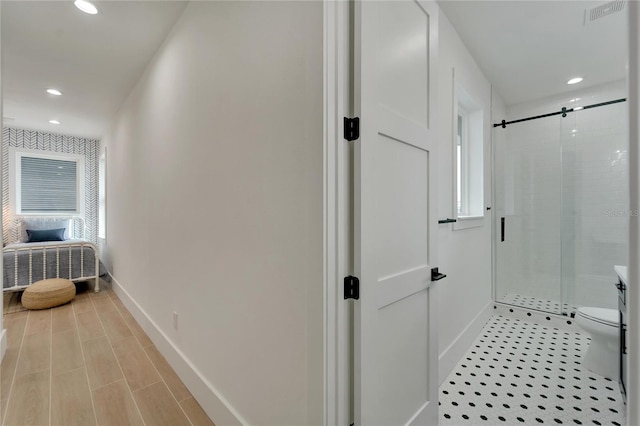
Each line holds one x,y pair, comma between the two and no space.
351,128
351,288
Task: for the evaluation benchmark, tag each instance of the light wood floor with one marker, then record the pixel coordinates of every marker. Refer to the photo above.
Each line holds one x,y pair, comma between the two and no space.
85,363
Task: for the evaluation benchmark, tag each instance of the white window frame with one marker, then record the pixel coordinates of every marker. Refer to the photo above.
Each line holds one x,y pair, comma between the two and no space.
462,166
102,195
15,181
472,161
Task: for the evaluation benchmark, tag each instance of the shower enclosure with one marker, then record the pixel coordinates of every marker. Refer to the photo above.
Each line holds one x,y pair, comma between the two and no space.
561,202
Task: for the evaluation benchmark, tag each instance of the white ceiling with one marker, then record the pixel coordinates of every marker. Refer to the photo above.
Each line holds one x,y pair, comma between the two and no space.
93,59
529,49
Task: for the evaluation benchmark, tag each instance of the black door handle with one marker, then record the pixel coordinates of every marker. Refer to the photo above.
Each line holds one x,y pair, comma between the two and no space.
435,275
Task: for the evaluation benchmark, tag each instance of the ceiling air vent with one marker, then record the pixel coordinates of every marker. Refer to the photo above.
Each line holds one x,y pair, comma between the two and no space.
597,12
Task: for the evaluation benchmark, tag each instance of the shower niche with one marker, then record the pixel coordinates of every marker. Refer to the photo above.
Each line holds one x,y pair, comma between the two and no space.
561,200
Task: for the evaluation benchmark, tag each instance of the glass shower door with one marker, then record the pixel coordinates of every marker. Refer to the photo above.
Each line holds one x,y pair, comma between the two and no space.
595,205
528,203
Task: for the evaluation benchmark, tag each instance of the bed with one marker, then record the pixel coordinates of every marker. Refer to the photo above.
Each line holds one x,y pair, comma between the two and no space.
25,262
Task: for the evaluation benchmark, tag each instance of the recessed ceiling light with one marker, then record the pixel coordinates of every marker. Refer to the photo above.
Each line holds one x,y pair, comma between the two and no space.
54,122
54,92
86,7
574,80
575,100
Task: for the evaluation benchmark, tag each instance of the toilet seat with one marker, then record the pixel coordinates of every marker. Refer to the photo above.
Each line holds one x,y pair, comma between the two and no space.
601,315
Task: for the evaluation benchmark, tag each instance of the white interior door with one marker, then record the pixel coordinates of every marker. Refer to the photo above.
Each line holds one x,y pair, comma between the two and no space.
395,348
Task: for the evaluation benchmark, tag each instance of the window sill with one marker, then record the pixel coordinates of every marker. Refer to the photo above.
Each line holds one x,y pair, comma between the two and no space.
466,222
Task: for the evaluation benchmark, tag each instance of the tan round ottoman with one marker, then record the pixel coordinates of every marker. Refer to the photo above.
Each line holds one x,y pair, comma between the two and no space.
48,293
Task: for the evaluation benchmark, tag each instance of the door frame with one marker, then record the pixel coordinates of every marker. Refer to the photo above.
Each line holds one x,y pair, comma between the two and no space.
633,294
337,214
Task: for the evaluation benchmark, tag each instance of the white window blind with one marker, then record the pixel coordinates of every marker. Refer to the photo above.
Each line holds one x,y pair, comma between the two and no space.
48,185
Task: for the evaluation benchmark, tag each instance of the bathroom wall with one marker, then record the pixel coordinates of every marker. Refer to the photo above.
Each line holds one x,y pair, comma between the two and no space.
464,297
564,191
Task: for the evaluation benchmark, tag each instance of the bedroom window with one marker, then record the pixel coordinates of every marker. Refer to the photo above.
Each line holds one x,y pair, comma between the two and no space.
47,183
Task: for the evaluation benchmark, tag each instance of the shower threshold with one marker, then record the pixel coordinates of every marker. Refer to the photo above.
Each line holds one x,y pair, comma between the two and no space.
538,304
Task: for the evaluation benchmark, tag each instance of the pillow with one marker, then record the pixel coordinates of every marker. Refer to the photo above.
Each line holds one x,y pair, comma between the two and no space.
39,223
40,235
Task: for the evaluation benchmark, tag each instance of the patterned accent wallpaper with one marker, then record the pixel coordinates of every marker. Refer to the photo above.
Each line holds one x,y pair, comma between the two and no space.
51,142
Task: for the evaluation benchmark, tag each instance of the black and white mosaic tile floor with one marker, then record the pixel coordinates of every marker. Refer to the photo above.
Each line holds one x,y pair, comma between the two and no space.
518,372
537,303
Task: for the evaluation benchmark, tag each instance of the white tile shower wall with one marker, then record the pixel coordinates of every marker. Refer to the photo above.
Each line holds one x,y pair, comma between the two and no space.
565,223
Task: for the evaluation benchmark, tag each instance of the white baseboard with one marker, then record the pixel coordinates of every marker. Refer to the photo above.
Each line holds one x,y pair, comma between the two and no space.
3,344
452,354
209,398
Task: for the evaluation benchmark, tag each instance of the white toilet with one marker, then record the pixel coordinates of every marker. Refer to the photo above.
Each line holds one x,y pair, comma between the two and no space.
603,352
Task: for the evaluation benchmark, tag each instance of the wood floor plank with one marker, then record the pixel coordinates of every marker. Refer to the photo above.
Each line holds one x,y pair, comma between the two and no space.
177,388
99,295
118,303
49,345
158,407
195,413
35,354
3,407
63,318
114,325
38,321
104,304
138,369
125,345
82,306
15,331
89,326
134,326
15,315
71,400
7,370
115,406
102,367
29,401
140,334
66,352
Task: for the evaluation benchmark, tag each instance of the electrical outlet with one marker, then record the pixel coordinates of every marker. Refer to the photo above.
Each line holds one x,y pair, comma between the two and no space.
175,320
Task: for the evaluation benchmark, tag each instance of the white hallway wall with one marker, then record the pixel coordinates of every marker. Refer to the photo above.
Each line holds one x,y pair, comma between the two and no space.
464,255
215,207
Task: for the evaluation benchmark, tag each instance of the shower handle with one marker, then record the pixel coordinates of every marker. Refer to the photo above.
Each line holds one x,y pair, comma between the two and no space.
502,229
